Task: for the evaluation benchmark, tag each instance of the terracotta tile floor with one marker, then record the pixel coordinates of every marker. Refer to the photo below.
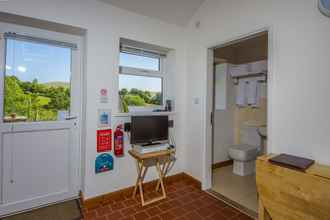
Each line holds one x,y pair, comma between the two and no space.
184,201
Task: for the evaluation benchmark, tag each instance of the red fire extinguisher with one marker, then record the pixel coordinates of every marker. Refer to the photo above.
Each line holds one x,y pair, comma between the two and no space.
119,141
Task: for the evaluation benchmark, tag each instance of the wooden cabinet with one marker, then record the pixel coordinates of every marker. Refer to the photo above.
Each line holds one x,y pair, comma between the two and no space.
290,194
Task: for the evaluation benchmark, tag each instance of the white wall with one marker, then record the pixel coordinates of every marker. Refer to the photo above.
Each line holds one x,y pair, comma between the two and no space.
223,136
299,121
105,25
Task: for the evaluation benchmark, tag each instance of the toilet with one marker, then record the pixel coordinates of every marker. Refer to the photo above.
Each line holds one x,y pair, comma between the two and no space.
245,154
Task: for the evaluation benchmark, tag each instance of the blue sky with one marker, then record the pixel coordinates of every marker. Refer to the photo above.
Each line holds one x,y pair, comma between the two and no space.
43,62
47,63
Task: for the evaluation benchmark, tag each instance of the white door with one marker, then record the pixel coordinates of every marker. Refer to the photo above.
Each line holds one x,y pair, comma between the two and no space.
39,125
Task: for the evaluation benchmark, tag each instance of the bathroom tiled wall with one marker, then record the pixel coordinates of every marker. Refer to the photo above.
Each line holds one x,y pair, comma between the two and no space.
255,115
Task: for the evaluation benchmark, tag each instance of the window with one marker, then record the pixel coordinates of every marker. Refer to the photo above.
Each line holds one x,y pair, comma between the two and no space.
36,81
139,62
141,80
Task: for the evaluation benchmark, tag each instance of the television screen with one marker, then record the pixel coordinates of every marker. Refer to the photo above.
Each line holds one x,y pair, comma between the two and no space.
148,129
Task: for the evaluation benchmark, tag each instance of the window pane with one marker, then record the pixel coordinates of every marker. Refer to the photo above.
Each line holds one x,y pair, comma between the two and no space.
140,62
140,91
37,81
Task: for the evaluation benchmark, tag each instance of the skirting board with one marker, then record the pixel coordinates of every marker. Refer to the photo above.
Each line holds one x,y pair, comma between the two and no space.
126,192
222,164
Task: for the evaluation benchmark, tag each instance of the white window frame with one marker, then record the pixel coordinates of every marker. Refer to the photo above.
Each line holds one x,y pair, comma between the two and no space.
2,72
76,63
161,73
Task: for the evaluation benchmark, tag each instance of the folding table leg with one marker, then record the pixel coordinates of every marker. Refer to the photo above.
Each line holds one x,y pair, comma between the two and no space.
144,173
161,178
139,167
160,174
141,188
164,172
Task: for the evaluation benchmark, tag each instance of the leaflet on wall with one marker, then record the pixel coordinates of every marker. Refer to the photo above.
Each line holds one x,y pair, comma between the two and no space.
104,96
103,140
104,118
103,163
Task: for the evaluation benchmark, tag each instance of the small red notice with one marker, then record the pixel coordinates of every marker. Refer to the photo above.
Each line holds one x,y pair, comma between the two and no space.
104,140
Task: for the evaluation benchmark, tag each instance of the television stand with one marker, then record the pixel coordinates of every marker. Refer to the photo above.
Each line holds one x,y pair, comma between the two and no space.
161,167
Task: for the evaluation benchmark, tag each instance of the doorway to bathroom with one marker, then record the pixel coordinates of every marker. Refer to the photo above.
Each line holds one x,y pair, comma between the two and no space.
239,118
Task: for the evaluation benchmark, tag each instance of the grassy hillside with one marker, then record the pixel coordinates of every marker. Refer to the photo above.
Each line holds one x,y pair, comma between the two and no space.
35,101
42,100
57,84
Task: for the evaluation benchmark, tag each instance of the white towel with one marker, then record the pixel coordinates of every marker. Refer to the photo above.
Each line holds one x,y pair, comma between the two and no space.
253,92
247,68
241,93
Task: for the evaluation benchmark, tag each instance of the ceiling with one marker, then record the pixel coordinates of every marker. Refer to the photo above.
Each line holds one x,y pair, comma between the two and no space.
248,50
171,11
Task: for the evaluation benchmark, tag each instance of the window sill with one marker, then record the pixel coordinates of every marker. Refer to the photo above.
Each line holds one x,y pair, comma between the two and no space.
141,114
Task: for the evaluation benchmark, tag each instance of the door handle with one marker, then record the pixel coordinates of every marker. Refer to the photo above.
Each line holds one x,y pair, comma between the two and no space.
71,118
212,118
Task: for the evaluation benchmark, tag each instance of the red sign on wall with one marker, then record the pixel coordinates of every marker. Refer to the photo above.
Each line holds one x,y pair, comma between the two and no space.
104,140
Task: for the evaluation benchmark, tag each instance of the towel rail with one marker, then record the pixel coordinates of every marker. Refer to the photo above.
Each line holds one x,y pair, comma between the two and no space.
252,75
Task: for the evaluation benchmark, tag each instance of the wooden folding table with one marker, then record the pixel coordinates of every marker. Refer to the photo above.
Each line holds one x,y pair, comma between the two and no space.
163,161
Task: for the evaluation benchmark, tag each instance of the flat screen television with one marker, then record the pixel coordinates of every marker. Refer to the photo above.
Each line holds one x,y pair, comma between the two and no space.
149,129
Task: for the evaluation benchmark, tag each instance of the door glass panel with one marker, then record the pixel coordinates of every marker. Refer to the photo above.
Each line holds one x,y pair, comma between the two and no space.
36,82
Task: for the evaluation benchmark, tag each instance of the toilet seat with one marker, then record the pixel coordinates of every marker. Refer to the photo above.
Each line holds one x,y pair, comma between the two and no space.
243,152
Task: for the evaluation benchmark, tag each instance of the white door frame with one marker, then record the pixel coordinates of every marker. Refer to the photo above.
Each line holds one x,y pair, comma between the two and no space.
77,76
208,108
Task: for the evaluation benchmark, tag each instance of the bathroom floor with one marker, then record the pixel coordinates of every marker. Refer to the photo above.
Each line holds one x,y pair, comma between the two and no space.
241,190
